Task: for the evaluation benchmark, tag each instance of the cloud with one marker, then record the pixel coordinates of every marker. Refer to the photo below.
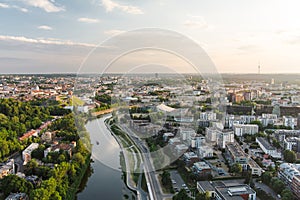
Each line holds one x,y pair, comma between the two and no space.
44,27
3,5
195,24
110,5
113,32
47,41
22,9
88,20
47,5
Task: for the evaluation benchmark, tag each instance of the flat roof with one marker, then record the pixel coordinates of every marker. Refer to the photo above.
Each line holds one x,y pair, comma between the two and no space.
265,143
235,192
205,186
236,150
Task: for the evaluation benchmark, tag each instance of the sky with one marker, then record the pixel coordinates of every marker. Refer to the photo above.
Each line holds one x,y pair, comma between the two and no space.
60,36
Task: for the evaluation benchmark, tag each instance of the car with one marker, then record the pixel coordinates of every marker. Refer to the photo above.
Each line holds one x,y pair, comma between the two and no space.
173,181
184,185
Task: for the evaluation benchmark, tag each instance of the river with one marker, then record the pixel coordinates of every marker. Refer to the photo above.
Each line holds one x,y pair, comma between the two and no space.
104,178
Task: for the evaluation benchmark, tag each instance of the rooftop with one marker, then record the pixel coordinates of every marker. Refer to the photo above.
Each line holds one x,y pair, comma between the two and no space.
236,150
265,143
234,192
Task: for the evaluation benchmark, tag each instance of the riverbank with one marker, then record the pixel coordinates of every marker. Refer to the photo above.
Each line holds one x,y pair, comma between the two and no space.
105,179
102,112
124,143
74,188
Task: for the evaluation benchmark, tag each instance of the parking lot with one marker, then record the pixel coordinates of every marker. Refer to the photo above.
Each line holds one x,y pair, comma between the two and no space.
178,182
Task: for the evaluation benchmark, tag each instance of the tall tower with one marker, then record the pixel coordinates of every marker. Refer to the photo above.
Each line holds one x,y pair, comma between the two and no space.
259,68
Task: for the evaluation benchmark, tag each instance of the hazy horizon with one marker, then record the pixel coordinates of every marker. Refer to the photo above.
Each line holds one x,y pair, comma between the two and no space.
45,36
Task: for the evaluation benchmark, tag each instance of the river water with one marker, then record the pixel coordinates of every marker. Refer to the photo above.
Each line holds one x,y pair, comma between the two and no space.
103,180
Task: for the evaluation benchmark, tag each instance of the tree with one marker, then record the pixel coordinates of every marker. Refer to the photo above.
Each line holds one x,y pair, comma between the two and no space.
39,194
236,168
78,158
202,196
166,180
12,184
182,195
289,156
31,166
277,185
248,178
266,177
286,194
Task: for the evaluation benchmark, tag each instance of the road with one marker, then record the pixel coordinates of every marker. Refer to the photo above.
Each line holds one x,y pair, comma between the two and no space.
154,186
266,188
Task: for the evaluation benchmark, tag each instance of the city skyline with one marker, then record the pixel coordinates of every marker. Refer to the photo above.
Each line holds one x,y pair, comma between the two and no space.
55,36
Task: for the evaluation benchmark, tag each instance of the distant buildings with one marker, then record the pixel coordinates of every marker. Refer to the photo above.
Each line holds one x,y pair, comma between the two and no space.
247,119
268,119
267,147
242,129
209,116
26,154
289,121
226,191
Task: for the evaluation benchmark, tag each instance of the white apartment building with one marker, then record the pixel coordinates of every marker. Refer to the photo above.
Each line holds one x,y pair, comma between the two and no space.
26,154
247,119
287,171
242,129
210,116
267,148
212,133
224,138
289,121
267,119
205,151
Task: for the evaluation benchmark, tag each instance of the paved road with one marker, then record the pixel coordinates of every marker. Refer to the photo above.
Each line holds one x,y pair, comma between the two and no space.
155,187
